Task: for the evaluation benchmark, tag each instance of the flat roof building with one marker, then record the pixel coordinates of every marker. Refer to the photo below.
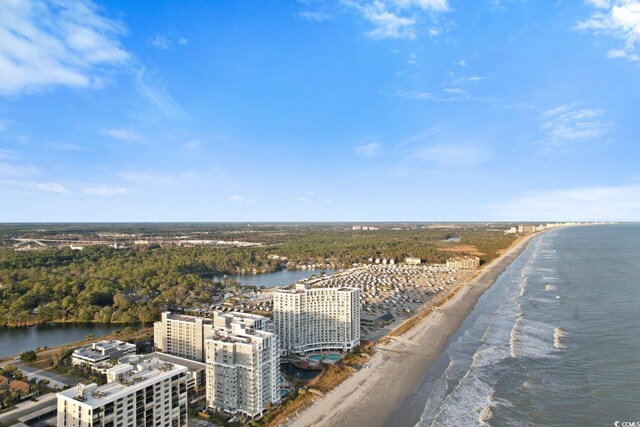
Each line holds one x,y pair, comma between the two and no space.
96,353
311,319
196,371
181,335
148,393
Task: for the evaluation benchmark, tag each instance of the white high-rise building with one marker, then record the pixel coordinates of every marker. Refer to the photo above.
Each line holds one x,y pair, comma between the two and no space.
242,365
181,335
147,393
310,319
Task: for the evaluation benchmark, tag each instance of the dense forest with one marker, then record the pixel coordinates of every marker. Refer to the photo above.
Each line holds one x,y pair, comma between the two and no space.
100,284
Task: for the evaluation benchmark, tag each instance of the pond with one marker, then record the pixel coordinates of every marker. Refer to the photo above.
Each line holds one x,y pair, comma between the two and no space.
301,374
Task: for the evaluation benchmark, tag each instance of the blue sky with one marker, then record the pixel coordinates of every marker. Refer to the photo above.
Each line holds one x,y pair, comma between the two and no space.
345,110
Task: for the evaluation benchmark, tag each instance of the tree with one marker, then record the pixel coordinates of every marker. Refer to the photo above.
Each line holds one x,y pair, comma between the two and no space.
29,356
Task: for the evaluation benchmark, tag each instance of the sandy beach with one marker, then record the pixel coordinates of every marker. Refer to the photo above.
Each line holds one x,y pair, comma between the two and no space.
370,396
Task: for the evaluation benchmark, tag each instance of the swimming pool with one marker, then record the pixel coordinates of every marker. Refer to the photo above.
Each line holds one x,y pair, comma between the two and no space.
333,357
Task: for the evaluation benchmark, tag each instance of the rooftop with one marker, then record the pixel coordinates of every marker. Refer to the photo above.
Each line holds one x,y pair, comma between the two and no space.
102,348
144,374
192,365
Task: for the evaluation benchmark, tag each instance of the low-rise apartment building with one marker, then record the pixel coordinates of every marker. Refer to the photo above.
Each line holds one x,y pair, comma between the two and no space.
95,354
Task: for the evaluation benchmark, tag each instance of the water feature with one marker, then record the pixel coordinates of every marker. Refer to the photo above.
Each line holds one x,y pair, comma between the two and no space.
16,340
298,373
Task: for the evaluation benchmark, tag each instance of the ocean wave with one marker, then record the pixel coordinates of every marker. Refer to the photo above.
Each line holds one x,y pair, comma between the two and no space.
558,334
541,300
512,336
550,287
532,339
485,415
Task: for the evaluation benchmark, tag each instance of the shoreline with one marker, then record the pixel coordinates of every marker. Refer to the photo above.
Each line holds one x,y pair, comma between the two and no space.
371,396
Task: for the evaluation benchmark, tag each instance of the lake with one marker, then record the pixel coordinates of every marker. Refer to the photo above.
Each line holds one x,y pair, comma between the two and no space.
20,339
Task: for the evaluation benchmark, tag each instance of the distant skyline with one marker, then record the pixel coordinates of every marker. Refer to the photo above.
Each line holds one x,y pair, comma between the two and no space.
313,110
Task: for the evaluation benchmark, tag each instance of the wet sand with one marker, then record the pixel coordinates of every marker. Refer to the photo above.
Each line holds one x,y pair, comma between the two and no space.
371,396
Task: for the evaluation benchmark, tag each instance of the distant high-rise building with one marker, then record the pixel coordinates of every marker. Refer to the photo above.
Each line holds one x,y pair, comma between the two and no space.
181,335
147,393
242,365
310,319
527,228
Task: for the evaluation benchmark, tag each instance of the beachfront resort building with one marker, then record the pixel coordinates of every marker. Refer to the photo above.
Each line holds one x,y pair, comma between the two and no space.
528,228
413,261
147,393
97,354
242,365
181,335
464,263
311,319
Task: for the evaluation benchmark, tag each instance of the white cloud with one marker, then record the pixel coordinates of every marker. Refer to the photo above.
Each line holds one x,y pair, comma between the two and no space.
622,53
470,79
31,187
50,43
601,4
597,203
125,134
416,95
449,95
157,93
397,19
161,42
314,16
388,25
166,43
52,187
619,19
105,191
236,198
569,123
370,150
455,90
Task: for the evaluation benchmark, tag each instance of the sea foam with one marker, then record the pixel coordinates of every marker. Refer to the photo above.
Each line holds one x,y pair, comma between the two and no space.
558,334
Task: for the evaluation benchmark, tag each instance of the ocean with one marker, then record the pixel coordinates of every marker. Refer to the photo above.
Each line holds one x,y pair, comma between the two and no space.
554,342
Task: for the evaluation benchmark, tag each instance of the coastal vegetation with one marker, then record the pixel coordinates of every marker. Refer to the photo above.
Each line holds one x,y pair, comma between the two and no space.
133,285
